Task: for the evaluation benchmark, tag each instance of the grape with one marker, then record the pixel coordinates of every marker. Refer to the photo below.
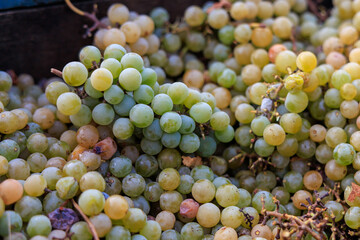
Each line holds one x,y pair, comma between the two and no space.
134,220
141,115
88,55
11,191
75,73
113,65
5,81
38,225
161,104
103,114
192,230
189,143
68,103
344,154
80,230
35,185
178,92
170,122
67,187
124,107
10,220
208,215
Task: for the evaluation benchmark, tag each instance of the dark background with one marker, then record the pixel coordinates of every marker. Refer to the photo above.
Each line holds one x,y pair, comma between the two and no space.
35,39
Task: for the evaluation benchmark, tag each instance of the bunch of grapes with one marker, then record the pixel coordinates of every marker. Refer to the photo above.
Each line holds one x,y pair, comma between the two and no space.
234,123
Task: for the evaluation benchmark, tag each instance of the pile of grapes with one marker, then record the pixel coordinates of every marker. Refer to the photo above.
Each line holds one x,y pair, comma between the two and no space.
240,121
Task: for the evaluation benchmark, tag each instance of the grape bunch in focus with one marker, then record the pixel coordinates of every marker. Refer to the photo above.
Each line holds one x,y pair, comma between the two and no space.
239,121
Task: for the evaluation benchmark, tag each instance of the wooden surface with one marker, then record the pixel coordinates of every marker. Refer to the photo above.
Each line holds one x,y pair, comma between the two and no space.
36,39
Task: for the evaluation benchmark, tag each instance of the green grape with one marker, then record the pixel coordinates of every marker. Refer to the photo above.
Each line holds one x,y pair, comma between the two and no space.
154,131
160,16
253,213
189,143
68,103
170,122
5,81
161,104
245,113
172,140
120,166
293,181
207,147
91,91
103,114
174,67
335,208
38,225
281,194
193,231
144,94
114,51
114,95
195,41
132,60
296,102
245,198
27,207
344,154
227,195
169,158
67,187
124,107
150,147
88,55
201,112
267,198
153,192
54,90
133,185
83,117
171,42
134,220
37,142
141,115
9,149
151,230
258,125
148,76
339,78
202,172
52,201
352,217
291,122
19,169
226,135
193,98
75,73
187,125
266,179
80,231
262,148
186,183
226,34
10,220
178,92
91,202
219,121
118,232
113,65
130,79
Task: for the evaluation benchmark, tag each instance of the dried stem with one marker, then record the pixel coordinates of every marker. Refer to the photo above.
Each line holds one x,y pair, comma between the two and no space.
92,16
91,226
56,72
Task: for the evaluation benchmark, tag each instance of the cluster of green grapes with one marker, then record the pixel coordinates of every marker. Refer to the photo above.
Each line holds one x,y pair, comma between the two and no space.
157,131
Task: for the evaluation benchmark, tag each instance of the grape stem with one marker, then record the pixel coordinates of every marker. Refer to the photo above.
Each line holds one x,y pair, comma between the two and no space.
92,16
313,222
56,72
91,226
320,13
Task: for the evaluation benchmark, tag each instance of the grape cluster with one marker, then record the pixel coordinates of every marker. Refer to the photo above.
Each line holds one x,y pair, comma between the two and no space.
219,126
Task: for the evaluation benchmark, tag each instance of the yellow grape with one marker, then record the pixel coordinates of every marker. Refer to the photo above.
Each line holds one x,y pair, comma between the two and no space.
68,103
101,79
